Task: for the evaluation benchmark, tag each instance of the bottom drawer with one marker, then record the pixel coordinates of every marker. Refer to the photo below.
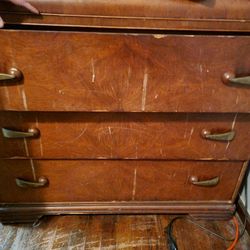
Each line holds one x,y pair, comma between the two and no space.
113,180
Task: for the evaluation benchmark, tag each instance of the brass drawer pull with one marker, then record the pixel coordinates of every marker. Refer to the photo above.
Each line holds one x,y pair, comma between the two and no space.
8,133
207,183
226,136
230,78
42,182
13,75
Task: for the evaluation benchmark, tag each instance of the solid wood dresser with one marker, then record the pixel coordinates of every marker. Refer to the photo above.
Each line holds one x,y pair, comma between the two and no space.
124,107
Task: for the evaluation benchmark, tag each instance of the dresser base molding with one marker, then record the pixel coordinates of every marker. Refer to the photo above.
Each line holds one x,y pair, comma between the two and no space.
31,212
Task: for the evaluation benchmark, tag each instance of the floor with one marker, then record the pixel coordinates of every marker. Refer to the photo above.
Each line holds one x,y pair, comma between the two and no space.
116,232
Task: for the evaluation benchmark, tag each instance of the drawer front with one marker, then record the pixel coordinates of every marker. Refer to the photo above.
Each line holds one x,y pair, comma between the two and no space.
65,71
99,180
205,15
125,136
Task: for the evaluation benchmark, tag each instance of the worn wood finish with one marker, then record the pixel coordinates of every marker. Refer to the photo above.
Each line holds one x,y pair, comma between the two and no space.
122,72
125,135
118,180
216,15
116,232
144,96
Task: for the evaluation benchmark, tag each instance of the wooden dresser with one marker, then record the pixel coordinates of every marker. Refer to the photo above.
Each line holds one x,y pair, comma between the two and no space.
124,106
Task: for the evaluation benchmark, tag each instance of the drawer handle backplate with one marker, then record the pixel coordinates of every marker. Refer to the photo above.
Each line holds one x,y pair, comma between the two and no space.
225,136
230,78
12,75
8,133
42,182
206,183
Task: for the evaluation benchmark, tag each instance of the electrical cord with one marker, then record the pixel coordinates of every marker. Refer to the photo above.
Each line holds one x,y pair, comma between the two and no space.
171,242
231,247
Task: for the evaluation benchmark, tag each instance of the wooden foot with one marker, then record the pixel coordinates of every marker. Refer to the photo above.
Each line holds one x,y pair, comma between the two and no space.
20,219
30,213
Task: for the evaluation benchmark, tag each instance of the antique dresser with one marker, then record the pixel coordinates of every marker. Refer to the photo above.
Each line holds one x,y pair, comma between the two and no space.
124,106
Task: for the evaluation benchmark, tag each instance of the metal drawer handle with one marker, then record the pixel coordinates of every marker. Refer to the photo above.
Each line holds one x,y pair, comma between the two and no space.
230,78
227,136
42,182
13,75
206,183
8,133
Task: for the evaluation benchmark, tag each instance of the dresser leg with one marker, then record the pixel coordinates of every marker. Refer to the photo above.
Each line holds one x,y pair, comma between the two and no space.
20,219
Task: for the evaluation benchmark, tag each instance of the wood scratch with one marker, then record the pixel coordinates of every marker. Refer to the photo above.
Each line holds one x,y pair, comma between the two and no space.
129,76
159,36
201,68
110,131
6,90
237,100
190,135
134,184
24,98
80,135
26,147
33,169
93,70
234,121
61,92
232,128
186,123
144,90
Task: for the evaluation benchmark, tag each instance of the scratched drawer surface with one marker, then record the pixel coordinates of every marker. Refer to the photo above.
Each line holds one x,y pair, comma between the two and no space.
100,180
70,71
125,135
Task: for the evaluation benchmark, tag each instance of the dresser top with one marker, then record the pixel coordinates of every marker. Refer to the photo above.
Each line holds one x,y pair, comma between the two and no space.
218,15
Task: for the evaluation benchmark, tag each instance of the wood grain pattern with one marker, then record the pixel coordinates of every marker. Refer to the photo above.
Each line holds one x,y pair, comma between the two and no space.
118,181
116,232
220,15
123,72
125,136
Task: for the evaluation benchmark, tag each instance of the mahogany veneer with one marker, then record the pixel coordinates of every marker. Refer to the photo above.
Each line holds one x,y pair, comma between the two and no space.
146,117
79,71
125,136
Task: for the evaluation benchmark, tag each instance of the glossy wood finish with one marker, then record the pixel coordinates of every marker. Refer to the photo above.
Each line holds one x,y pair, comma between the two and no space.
217,15
123,72
113,232
125,135
115,181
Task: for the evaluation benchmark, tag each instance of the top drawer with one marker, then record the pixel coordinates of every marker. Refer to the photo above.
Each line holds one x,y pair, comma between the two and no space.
223,15
65,71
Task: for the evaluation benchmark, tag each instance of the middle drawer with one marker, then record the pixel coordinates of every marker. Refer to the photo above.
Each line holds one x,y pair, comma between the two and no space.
125,135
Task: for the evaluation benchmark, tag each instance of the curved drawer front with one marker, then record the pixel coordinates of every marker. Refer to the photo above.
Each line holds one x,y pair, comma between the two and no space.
99,180
67,71
125,135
